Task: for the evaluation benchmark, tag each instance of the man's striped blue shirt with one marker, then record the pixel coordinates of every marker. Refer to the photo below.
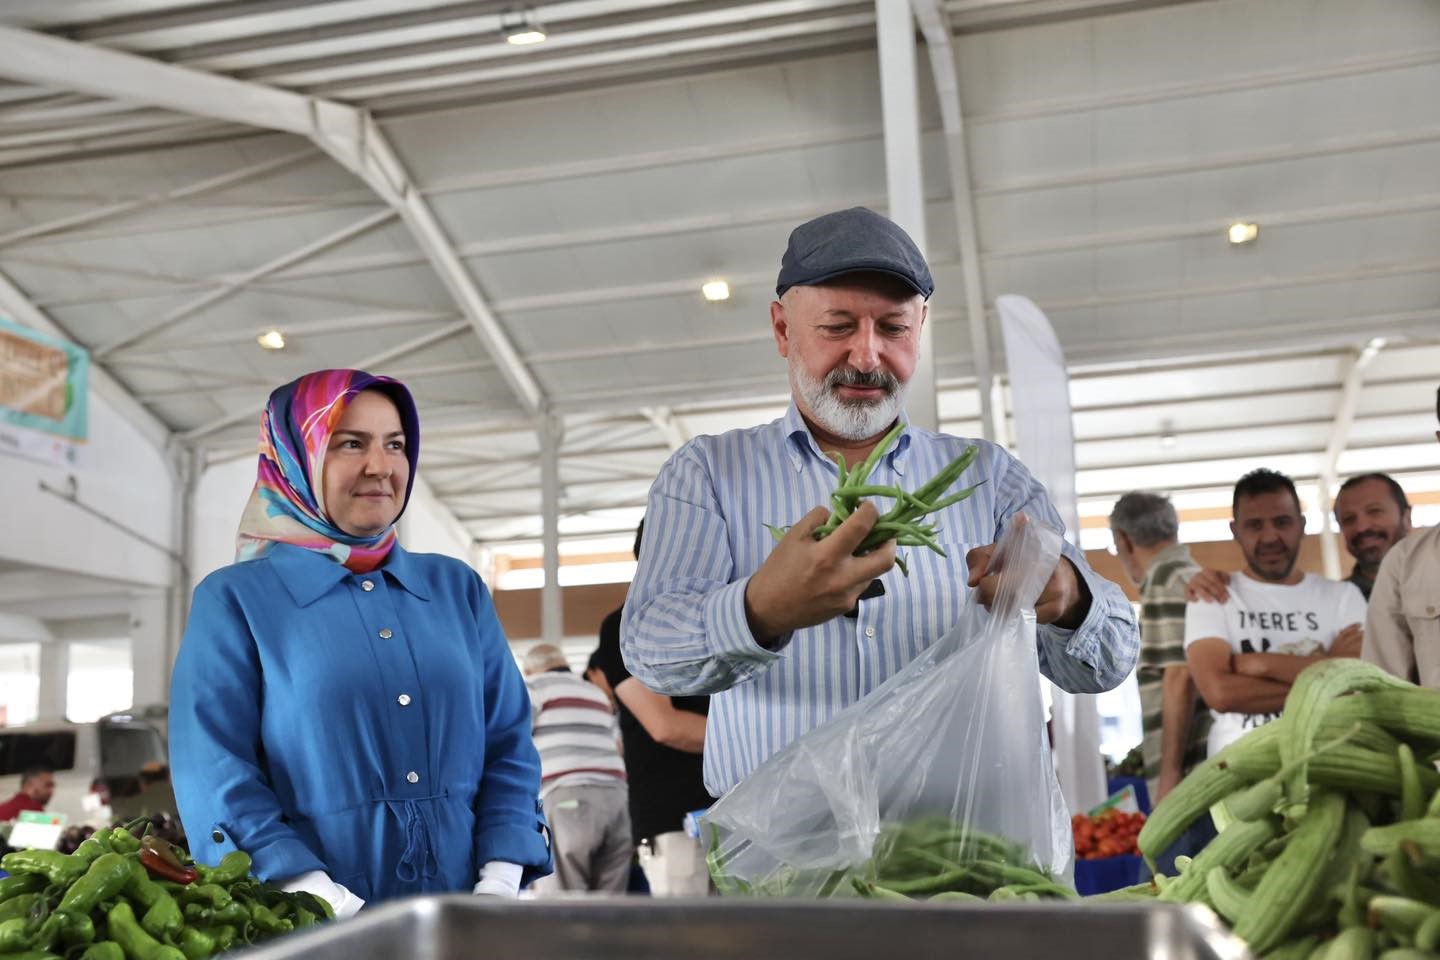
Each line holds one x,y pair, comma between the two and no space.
684,629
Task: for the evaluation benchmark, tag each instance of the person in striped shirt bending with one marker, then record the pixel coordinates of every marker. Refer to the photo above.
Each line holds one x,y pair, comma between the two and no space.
582,776
785,635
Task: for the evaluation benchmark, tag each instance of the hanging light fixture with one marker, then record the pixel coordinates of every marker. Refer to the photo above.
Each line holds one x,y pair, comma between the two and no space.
1243,233
521,27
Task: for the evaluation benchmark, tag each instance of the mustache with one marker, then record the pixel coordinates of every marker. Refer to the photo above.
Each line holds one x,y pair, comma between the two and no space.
850,377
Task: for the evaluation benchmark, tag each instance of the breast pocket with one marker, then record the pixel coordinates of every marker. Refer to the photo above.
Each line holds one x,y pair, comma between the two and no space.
1422,617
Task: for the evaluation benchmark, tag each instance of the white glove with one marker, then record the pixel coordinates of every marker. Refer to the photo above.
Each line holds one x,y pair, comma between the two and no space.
342,901
499,879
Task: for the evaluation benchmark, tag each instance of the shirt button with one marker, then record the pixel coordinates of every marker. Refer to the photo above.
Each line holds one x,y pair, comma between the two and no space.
218,837
403,699
386,634
869,631
413,777
367,585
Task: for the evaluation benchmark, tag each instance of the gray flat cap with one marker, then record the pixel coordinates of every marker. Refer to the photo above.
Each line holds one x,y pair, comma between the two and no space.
851,241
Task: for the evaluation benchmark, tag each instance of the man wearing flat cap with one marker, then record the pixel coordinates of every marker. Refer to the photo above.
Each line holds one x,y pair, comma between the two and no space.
785,635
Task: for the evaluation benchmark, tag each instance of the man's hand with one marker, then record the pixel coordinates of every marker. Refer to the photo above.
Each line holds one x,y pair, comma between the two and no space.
1209,586
806,581
1064,601
1348,641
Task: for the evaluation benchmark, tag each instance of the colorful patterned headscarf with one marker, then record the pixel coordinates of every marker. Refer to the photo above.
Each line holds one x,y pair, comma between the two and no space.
287,504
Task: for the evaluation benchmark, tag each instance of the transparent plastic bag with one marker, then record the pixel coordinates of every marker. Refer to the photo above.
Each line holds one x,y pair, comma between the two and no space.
950,756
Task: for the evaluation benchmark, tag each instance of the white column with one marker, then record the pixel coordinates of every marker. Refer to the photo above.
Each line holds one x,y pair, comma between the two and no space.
150,655
904,180
552,612
947,91
1329,538
54,676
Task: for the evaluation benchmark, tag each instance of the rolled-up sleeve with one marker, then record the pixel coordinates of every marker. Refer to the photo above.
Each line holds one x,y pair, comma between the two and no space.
1388,643
1100,653
684,630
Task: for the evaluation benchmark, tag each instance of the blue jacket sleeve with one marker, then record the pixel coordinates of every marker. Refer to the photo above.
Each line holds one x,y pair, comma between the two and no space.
221,784
509,823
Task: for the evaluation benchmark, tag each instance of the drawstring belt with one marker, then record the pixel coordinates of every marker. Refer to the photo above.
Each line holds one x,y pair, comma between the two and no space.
418,851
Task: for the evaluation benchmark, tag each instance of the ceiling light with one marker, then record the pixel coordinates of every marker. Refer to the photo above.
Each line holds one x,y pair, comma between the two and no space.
521,27
271,340
715,290
1241,233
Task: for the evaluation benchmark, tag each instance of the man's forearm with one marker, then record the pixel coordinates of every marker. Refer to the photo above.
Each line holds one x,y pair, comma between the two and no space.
1273,666
1234,693
1177,713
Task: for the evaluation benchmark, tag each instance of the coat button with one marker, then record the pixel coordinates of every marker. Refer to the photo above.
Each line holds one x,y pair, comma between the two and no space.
403,699
367,585
413,777
386,634
218,837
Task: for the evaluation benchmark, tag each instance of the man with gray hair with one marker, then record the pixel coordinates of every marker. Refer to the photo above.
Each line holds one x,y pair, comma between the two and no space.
582,776
785,635
1174,718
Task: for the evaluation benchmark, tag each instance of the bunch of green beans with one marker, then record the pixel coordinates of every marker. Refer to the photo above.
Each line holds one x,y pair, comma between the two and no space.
903,521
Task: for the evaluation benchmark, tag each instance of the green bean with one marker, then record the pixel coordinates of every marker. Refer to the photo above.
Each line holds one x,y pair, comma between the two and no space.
902,522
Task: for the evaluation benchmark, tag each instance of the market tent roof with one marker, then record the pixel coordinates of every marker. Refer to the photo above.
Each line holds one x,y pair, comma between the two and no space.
588,186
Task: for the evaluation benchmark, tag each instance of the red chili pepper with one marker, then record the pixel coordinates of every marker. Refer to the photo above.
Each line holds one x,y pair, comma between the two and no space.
158,866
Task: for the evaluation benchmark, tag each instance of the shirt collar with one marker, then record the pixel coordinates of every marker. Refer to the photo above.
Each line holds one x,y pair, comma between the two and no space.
401,567
1174,552
309,575
799,440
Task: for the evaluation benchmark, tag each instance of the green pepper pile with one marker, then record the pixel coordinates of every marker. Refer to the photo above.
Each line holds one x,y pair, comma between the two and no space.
123,897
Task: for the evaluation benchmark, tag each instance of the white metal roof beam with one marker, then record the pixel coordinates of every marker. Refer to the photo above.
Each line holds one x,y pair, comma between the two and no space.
420,343
669,426
456,50
228,287
190,190
947,89
348,134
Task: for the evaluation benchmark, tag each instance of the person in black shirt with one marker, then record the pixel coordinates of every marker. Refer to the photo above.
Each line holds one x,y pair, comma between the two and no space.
663,738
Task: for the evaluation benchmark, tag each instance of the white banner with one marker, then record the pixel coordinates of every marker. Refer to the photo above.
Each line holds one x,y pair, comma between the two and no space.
38,445
1045,438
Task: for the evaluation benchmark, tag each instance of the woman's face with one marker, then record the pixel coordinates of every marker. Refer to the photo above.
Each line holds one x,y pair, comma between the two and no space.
366,470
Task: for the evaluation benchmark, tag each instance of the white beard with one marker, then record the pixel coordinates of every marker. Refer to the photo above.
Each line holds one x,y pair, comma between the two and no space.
848,419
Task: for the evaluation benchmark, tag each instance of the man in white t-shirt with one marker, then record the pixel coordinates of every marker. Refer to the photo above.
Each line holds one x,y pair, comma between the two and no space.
1246,652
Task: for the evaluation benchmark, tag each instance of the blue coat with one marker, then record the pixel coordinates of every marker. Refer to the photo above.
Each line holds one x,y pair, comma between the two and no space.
374,726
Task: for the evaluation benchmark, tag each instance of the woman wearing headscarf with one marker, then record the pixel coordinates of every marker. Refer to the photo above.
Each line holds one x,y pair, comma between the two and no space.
348,713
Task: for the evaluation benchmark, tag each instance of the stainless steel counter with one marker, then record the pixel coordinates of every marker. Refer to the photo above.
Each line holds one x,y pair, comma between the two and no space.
642,928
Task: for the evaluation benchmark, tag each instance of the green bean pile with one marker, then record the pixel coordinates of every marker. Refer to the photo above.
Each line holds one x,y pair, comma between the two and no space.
937,859
123,897
902,522
929,858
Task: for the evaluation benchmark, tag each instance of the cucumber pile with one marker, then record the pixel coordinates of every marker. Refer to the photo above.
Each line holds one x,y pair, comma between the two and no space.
1329,821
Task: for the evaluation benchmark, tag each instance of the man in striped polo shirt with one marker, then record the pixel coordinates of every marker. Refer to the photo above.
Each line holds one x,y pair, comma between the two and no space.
1174,718
582,776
